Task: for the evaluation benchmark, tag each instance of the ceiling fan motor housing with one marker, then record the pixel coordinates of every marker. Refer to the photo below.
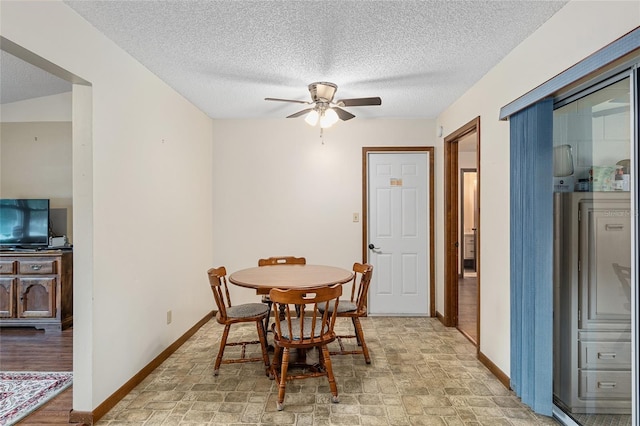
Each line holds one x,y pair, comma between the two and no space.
322,91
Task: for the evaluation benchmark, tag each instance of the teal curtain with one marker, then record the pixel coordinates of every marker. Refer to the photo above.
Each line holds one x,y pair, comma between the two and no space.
531,239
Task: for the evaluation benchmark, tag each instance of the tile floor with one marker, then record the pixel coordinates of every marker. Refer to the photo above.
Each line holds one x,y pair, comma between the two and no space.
422,373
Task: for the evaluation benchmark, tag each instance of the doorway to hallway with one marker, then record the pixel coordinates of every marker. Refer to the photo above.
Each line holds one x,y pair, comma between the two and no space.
462,231
468,276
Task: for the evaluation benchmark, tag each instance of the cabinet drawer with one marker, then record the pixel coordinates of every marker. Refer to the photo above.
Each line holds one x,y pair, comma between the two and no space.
469,246
605,384
469,251
44,266
606,336
605,355
7,266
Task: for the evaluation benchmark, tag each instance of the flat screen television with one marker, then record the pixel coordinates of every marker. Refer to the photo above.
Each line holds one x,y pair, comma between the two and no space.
24,223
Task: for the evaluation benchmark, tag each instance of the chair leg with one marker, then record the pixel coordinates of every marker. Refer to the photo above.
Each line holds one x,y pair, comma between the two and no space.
355,328
223,343
360,338
275,363
329,369
283,379
266,320
262,334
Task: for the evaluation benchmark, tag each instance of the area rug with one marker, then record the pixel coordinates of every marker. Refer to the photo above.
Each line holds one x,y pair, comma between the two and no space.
22,392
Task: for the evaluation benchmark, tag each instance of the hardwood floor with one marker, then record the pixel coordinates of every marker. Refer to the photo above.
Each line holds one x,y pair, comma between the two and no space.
22,349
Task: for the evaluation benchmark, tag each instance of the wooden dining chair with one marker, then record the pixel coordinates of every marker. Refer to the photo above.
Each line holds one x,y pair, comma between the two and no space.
355,308
282,260
313,328
229,314
278,260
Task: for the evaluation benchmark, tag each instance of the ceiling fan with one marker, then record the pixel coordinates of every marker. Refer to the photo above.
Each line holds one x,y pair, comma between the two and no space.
325,111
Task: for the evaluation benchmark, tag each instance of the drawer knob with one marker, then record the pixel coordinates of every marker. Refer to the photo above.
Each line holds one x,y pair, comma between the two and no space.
36,267
606,355
606,385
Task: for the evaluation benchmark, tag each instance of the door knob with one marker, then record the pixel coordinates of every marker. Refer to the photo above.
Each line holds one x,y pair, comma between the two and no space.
372,247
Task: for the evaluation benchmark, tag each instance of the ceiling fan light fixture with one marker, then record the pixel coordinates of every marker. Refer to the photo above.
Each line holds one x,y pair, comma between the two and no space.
328,118
312,118
324,110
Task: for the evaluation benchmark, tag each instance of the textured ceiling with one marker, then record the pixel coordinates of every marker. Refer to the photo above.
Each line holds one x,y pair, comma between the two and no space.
227,56
20,80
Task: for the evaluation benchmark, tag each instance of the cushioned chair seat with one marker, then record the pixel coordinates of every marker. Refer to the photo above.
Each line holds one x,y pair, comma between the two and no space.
308,322
247,310
343,306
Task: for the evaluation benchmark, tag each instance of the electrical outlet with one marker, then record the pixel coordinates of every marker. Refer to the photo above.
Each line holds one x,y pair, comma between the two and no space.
356,217
169,317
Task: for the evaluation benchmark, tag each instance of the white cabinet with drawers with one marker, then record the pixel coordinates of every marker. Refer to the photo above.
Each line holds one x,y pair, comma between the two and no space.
592,302
469,246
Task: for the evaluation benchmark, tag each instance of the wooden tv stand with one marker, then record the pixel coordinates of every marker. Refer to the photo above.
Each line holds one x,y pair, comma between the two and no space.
36,289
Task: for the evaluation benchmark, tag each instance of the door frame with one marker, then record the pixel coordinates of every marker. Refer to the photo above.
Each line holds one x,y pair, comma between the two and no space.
365,209
451,236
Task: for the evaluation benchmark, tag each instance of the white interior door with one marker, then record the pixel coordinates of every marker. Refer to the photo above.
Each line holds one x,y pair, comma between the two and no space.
398,212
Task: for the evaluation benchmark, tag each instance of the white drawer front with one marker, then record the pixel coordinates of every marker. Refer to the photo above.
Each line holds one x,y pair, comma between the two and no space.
605,384
605,355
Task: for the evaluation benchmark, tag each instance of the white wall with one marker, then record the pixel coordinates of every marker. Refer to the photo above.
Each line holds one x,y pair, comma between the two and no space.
36,163
142,196
280,191
576,31
48,119
46,108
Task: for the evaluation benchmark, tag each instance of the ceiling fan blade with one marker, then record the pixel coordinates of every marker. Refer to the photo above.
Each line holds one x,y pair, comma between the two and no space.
299,113
360,102
342,114
286,100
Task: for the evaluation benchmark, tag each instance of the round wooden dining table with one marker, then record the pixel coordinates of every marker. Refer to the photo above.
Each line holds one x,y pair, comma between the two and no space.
264,278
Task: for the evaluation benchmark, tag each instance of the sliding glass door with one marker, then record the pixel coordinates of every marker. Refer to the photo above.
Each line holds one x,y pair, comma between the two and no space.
594,176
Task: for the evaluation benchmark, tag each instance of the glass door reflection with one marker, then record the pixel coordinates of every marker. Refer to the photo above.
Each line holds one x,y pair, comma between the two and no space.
592,256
